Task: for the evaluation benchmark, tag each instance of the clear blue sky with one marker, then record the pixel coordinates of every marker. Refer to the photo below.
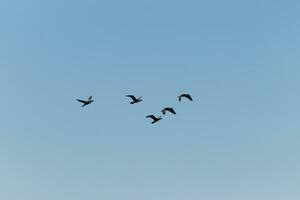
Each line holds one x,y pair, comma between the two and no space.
239,139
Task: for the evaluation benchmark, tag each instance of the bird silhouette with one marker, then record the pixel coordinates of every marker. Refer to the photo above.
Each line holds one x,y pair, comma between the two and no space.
134,99
171,110
86,102
155,119
188,96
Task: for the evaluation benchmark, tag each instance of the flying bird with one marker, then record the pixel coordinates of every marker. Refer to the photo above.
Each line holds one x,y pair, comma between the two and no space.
188,96
171,110
134,99
86,102
155,119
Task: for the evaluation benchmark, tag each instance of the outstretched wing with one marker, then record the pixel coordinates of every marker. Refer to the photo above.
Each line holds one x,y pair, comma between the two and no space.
132,97
81,101
171,110
189,97
151,116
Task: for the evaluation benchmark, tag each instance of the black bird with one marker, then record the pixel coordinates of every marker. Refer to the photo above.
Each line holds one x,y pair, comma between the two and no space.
155,119
86,102
188,96
134,99
171,110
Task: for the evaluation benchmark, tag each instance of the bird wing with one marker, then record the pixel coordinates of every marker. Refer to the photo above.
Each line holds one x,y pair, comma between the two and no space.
151,116
189,97
81,101
131,96
172,110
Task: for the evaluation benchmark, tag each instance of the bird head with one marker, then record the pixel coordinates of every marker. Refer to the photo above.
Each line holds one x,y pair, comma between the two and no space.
179,98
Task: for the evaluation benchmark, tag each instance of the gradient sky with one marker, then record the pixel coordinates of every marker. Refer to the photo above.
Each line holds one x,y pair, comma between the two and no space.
239,139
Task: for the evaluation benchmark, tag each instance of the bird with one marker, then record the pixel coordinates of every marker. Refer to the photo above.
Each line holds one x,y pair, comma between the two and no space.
155,119
86,102
171,110
134,99
188,96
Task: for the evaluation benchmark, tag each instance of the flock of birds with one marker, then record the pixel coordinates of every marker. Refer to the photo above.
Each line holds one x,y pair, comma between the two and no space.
139,99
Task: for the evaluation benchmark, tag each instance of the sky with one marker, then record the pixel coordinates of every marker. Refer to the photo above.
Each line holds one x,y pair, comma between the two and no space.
238,139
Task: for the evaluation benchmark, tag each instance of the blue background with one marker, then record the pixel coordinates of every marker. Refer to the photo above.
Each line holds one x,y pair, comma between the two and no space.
238,140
